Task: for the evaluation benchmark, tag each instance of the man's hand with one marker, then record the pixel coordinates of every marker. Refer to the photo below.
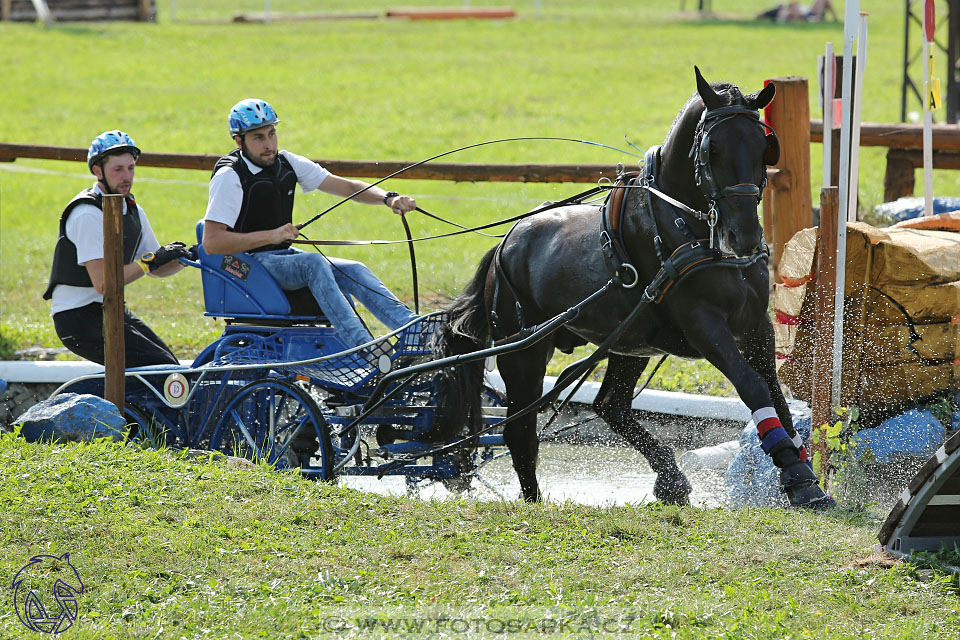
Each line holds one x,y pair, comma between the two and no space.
153,260
401,204
283,234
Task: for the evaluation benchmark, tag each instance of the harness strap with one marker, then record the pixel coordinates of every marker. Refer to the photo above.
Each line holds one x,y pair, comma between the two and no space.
688,258
611,234
500,275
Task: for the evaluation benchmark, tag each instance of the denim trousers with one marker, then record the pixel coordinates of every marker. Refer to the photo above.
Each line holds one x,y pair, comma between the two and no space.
331,281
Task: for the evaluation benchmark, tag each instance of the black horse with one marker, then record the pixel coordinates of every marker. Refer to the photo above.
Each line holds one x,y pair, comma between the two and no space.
686,251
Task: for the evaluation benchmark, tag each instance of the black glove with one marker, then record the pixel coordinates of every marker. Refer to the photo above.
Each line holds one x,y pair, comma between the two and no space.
192,252
165,254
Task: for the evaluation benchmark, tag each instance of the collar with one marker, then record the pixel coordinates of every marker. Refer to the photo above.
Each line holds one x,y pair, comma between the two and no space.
255,168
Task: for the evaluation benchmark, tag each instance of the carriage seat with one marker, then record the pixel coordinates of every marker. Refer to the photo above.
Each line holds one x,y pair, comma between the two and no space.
238,287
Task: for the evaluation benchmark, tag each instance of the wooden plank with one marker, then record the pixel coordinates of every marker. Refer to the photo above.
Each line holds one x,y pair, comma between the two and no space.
946,137
113,339
455,171
825,288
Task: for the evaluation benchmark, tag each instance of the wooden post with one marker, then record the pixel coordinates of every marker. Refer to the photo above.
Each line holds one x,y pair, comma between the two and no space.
898,180
5,9
824,292
113,341
792,207
145,11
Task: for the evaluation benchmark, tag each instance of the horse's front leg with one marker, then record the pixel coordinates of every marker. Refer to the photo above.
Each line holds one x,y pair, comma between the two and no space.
614,404
797,480
708,332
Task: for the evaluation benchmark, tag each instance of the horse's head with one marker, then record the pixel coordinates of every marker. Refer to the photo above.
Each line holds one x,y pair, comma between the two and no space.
727,149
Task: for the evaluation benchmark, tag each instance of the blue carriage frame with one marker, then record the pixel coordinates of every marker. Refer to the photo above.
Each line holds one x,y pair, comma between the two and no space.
276,373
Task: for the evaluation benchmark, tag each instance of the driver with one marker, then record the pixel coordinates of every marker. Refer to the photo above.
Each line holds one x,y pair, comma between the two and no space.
250,209
76,277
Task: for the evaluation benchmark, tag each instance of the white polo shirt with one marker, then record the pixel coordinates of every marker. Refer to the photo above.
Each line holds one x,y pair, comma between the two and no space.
85,230
226,194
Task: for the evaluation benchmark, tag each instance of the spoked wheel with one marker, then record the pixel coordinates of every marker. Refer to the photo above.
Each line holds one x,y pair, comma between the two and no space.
143,428
273,421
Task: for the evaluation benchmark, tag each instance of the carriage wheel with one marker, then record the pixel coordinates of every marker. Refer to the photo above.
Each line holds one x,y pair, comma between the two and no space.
143,428
273,421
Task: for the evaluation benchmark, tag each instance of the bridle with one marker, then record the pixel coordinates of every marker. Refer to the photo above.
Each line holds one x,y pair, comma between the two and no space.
691,254
703,173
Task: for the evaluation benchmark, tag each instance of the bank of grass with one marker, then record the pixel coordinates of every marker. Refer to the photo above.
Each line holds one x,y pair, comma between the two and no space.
173,548
377,89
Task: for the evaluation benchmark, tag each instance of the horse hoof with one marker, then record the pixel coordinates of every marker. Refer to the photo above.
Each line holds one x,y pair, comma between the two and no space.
672,489
800,484
810,496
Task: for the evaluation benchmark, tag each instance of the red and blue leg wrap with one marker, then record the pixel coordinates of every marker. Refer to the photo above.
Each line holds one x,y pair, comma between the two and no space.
771,432
769,428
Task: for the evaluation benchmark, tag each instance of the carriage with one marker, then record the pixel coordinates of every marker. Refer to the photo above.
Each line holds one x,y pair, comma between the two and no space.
279,386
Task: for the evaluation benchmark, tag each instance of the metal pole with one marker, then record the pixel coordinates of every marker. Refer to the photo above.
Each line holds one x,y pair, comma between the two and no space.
853,189
928,27
851,23
266,11
113,341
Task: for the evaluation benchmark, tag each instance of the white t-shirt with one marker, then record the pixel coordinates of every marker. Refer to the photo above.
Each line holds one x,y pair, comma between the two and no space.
85,230
226,194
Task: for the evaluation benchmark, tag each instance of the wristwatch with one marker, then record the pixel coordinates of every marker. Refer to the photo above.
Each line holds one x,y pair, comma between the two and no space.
143,261
389,194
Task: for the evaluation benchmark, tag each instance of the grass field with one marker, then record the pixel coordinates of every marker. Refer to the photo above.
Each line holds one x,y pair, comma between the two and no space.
172,548
378,89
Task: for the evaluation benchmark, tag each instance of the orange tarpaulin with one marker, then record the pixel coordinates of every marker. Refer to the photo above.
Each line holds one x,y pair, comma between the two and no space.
940,222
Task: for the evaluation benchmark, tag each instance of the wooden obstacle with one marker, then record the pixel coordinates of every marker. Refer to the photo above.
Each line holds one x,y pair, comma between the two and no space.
453,14
77,10
927,515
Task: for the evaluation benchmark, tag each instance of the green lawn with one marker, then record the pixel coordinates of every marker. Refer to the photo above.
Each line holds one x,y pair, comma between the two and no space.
377,89
170,548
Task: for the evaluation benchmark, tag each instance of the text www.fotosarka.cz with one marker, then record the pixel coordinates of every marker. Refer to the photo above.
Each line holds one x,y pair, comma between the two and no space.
430,625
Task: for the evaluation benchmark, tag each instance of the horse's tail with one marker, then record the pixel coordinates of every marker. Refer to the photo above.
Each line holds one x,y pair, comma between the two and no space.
458,389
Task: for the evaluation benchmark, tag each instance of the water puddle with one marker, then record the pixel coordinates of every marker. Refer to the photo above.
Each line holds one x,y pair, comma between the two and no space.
583,474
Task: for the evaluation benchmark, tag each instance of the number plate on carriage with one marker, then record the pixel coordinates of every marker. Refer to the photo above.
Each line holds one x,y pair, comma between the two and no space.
235,267
176,389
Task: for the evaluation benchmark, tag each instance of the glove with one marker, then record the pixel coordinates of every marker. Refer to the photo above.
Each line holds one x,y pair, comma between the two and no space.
153,260
192,252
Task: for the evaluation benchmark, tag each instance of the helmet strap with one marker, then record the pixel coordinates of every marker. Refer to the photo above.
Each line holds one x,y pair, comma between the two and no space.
103,180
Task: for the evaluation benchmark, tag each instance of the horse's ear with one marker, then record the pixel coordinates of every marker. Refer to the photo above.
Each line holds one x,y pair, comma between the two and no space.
710,98
761,98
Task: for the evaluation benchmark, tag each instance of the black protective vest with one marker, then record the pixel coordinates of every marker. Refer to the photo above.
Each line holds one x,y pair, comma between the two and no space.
267,195
65,269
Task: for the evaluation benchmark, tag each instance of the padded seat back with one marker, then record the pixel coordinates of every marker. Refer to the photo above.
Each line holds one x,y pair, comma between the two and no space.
238,286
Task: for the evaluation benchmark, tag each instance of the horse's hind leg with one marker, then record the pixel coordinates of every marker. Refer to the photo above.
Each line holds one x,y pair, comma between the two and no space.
613,404
523,373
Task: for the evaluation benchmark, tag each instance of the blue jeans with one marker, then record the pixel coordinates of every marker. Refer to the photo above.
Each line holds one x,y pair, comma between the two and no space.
331,280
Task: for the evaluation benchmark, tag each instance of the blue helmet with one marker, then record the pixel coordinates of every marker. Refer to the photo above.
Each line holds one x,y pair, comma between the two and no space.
110,142
250,114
